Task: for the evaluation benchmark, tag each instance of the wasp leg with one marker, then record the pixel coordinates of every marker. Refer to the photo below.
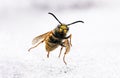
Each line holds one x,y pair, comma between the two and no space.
65,55
62,45
70,39
60,51
64,59
67,44
70,36
48,54
36,45
67,37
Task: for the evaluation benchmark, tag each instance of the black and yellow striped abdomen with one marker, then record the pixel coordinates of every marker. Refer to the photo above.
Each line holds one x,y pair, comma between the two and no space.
52,42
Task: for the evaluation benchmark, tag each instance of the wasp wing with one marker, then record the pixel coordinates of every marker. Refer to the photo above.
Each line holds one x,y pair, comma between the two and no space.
39,38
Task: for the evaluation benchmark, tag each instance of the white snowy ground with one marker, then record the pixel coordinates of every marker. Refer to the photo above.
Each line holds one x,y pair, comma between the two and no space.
95,52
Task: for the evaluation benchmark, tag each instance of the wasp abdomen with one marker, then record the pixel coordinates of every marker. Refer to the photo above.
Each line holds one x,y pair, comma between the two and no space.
52,43
51,46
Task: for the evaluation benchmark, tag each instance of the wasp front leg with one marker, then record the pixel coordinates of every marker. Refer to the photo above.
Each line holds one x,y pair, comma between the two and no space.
67,45
63,44
70,36
67,49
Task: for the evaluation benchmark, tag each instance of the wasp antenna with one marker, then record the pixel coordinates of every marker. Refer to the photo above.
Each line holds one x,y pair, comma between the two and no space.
75,22
54,17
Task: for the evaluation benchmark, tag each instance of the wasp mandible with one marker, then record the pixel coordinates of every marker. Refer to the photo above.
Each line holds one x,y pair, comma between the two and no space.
54,38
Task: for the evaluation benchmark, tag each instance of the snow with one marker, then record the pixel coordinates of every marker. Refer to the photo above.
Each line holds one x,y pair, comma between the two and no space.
95,44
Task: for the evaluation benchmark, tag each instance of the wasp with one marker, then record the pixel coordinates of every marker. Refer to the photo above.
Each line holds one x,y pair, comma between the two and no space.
54,38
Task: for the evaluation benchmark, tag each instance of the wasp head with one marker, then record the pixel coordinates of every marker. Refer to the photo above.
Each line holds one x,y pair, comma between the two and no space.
63,29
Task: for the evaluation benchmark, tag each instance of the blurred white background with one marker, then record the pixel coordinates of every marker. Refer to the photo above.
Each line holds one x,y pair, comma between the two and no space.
53,5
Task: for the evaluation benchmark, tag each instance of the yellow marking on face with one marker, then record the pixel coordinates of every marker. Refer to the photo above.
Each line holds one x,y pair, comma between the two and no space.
62,30
63,27
65,31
